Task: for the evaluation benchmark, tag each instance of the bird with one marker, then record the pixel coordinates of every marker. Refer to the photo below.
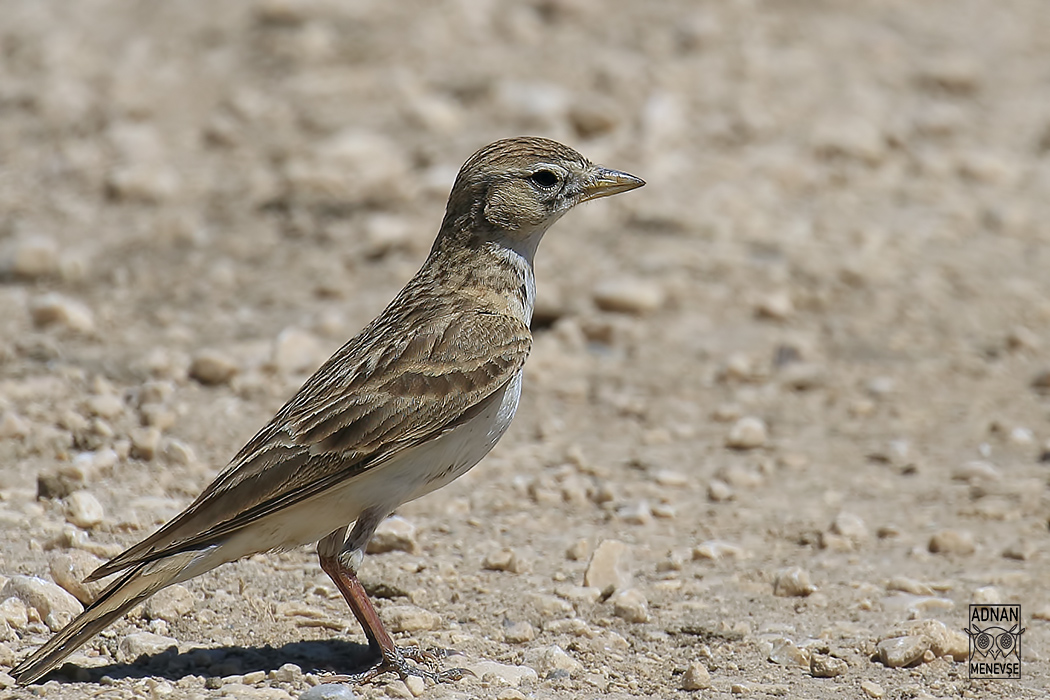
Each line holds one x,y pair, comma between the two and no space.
412,402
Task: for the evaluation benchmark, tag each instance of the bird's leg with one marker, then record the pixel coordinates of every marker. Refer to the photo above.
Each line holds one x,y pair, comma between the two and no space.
341,561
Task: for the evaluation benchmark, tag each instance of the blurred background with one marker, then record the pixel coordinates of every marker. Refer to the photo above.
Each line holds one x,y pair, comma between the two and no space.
802,375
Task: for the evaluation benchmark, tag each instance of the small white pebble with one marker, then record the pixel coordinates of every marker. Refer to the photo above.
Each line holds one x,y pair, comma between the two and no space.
872,690
12,426
211,367
628,296
850,526
631,605
519,632
145,443
506,560
715,550
777,307
105,405
899,652
976,471
668,477
719,491
747,433
793,581
84,510
987,595
843,136
637,513
607,570
416,686
1022,437
551,658
177,452
696,677
36,256
959,542
57,310
395,534
409,618
826,666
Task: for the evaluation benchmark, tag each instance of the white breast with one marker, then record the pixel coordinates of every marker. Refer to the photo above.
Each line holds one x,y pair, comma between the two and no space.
453,454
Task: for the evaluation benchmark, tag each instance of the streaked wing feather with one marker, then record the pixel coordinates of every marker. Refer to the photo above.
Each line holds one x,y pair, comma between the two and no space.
349,418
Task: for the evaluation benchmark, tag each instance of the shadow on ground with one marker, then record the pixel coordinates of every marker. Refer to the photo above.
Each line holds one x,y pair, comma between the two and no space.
335,656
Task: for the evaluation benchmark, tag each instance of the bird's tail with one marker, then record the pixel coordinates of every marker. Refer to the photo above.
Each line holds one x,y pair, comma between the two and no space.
133,587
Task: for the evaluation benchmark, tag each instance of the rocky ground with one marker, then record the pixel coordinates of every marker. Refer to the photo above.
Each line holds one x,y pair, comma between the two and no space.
788,410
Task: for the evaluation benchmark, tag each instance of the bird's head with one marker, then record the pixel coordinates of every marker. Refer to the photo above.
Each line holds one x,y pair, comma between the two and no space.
511,191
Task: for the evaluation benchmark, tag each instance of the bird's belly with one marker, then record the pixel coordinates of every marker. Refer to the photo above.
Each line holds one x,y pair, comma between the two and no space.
452,455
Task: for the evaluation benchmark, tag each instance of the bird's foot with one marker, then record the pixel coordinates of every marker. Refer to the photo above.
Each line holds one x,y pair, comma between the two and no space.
429,657
403,661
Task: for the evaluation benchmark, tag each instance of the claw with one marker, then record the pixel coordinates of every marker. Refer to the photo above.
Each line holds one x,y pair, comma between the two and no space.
399,663
430,656
454,674
419,655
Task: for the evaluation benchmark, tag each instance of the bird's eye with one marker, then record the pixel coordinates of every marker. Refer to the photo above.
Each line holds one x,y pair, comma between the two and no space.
544,178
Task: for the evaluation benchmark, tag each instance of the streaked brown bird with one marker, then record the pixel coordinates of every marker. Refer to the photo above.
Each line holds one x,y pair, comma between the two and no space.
412,402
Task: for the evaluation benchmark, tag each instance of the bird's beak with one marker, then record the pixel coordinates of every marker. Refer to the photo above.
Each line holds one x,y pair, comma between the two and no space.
602,182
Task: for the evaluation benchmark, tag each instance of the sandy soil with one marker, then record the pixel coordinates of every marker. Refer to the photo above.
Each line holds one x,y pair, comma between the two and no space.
801,376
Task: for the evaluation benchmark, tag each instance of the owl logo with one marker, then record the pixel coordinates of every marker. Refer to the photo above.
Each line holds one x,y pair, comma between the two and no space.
993,643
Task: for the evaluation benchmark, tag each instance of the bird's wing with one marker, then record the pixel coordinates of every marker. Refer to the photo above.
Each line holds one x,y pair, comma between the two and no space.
366,404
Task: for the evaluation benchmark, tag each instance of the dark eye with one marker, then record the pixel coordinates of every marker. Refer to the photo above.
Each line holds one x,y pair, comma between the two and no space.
544,178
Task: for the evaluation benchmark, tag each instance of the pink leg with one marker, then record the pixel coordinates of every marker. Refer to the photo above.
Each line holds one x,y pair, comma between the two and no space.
340,561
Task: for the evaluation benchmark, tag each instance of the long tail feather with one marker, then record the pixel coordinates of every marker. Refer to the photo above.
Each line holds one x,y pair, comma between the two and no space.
120,596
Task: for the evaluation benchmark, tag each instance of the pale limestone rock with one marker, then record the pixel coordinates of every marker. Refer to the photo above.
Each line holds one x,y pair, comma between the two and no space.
53,604
826,666
872,690
84,510
105,405
211,367
898,652
395,534
957,542
696,677
518,632
607,570
578,595
631,605
145,442
137,644
409,618
54,309
548,607
784,652
14,613
70,568
551,658
747,433
170,604
506,560
33,257
777,307
628,296
793,581
511,675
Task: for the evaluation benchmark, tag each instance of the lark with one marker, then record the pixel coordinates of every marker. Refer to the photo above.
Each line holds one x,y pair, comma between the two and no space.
413,401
